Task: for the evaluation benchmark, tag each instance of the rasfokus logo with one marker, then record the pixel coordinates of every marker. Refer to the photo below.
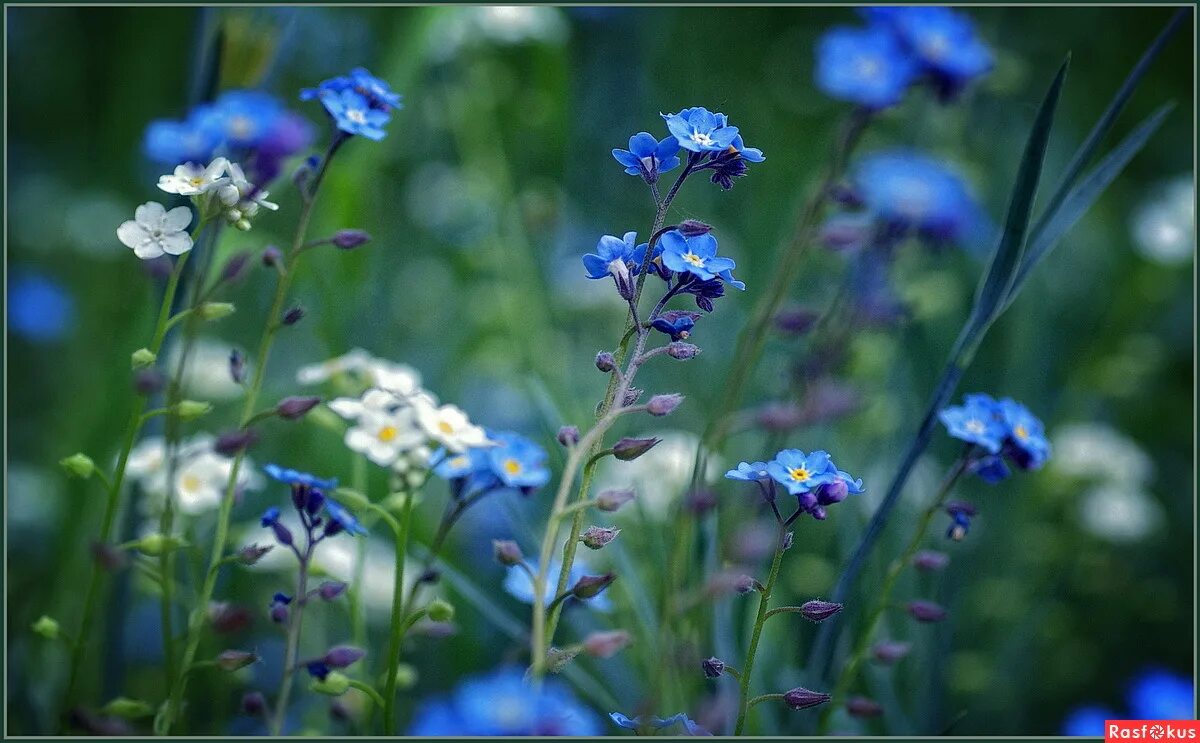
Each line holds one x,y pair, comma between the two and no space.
1164,730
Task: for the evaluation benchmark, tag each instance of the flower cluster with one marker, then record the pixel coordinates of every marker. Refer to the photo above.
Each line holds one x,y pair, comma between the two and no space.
200,477
359,103
222,184
503,703
710,142
1004,429
313,505
874,66
813,478
511,461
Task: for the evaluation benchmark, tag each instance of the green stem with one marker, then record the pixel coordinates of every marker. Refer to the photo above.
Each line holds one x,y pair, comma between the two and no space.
396,635
358,617
112,504
883,597
293,644
763,600
368,690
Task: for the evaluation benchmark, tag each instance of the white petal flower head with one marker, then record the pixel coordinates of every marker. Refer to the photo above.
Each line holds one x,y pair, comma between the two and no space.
241,193
398,378
201,481
154,231
386,427
450,426
147,464
193,179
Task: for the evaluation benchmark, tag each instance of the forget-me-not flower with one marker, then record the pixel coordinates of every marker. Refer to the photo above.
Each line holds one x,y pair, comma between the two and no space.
699,130
648,157
696,255
375,90
750,472
40,309
504,703
353,114
677,324
941,39
800,472
1159,694
910,191
622,250
1026,442
154,231
976,421
867,66
653,722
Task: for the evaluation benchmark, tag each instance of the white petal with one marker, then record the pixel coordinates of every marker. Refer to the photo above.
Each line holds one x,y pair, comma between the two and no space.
176,244
188,170
150,214
177,219
216,169
382,454
148,249
359,440
132,234
346,407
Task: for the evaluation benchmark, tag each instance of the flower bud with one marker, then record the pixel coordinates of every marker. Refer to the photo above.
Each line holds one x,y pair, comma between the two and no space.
46,627
507,552
350,239
331,589
215,310
682,351
279,614
818,611
622,278
557,659
926,611
235,266
693,228
663,404
232,660
726,582
334,684
156,544
342,656
242,224
801,698
888,652
628,449
192,409
231,442
590,586
128,709
832,492
294,408
142,358
293,315
441,610
226,618
632,395
788,539
596,537
272,256
611,500
863,707
282,533
148,381
406,676
237,366
606,644
713,667
930,560
796,320
605,361
252,553
78,465
568,435
254,703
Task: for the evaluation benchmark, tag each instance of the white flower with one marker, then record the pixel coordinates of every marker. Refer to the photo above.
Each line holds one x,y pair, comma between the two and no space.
154,230
241,199
400,379
1096,451
201,475
192,179
449,426
1164,226
385,426
1120,513
200,483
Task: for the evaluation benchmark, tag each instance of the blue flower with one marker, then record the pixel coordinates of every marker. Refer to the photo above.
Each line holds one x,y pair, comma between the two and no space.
976,421
648,157
1158,694
296,477
991,469
611,249
800,472
706,291
173,142
695,255
375,90
750,472
242,118
942,40
1026,442
518,584
317,669
344,520
699,130
676,323
353,114
643,722
867,66
1088,722
517,461
39,307
909,191
502,703
731,163
270,516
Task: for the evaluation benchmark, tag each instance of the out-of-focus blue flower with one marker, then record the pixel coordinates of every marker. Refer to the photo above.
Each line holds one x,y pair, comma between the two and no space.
991,469
173,142
375,90
942,40
867,66
296,477
517,461
343,518
800,472
909,191
609,249
750,472
242,118
501,703
648,157
696,255
1159,694
353,114
676,323
977,421
270,516
1026,444
699,130
39,307
1088,722
518,584
644,722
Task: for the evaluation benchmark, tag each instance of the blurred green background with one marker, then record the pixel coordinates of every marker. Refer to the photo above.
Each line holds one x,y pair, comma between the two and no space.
492,182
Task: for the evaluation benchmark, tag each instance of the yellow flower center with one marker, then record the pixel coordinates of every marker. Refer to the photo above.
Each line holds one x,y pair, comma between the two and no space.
512,466
387,433
693,259
190,483
1021,432
799,474
196,181
445,427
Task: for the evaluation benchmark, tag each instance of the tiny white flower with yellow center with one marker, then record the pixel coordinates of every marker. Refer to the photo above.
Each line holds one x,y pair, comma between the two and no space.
450,427
193,179
154,231
200,483
241,193
385,426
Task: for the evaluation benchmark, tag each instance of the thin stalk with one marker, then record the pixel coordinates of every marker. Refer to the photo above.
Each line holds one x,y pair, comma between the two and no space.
883,597
295,623
92,597
760,619
396,634
358,617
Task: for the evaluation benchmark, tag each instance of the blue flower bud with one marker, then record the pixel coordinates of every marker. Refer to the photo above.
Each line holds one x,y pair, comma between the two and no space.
713,667
342,656
293,315
296,407
350,239
926,611
801,698
818,611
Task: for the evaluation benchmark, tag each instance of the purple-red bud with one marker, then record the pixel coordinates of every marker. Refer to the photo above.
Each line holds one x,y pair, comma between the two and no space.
818,611
254,703
293,408
331,589
605,361
590,586
663,404
863,707
628,449
693,228
342,656
350,239
926,611
235,266
148,381
889,652
796,320
568,435
272,256
682,351
595,537
226,618
930,560
713,667
507,552
232,442
606,644
801,698
611,500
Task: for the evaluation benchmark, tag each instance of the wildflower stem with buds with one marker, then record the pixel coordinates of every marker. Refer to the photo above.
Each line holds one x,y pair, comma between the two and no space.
760,619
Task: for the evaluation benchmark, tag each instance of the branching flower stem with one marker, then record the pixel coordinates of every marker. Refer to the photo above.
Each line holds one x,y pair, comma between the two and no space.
764,599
